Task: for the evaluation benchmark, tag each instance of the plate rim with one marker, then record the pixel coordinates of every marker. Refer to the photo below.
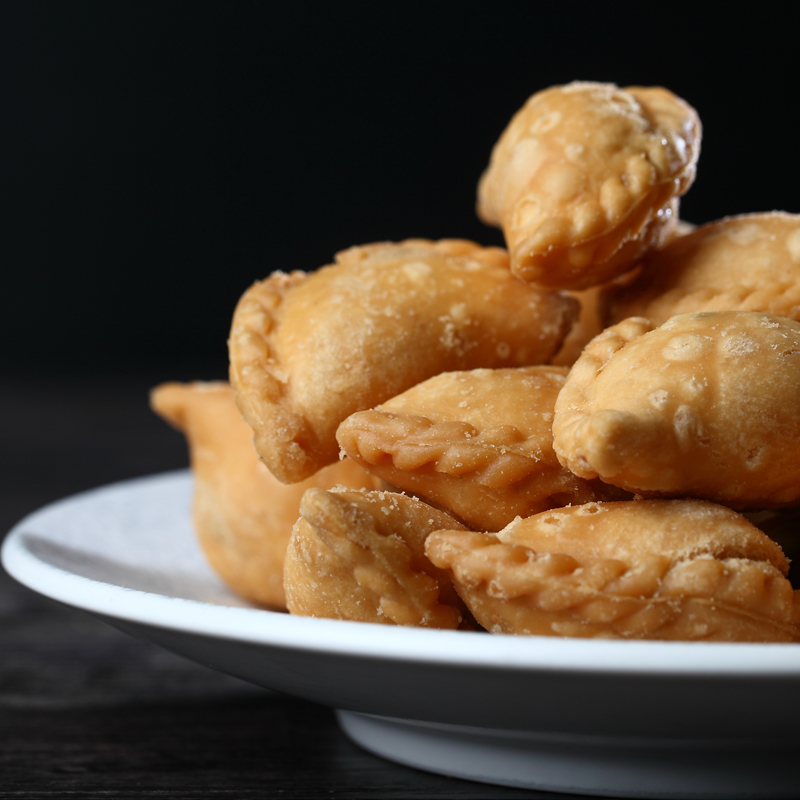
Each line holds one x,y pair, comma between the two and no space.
452,649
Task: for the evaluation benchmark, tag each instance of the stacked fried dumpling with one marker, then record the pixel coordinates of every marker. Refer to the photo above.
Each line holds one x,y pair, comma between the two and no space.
750,262
242,514
478,443
306,351
648,569
361,556
706,405
559,437
586,179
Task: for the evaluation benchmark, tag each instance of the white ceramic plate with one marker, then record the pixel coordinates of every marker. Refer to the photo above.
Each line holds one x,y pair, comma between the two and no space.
638,719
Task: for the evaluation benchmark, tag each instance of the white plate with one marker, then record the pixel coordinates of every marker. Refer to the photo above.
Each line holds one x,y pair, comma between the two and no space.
638,719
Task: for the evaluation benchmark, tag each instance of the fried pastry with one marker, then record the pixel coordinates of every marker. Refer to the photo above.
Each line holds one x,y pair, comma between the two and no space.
585,179
306,351
478,444
646,569
591,320
242,515
707,405
745,263
361,556
588,325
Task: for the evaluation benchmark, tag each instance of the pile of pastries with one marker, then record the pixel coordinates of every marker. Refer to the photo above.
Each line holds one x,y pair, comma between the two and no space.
567,437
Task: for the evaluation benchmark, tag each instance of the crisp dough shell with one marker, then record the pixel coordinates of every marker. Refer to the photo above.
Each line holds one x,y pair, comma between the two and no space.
647,569
585,179
360,556
477,443
242,515
707,405
306,351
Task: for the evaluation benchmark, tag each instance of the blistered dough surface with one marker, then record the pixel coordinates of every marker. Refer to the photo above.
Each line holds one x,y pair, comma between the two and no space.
585,179
648,569
242,515
592,318
477,443
308,351
707,405
360,556
745,263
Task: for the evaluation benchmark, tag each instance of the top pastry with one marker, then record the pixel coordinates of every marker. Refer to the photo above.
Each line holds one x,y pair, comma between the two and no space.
585,179
306,351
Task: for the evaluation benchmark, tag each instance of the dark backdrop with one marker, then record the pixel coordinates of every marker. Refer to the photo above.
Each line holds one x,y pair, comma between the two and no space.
159,157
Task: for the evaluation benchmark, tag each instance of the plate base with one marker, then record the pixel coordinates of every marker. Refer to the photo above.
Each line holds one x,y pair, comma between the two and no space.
574,765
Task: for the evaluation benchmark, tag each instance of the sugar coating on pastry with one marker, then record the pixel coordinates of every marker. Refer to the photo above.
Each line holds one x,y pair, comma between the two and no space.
360,556
707,405
646,569
585,179
476,443
242,515
306,351
749,262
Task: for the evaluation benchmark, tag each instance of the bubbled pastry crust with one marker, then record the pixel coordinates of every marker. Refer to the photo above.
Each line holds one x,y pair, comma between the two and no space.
585,179
306,351
360,556
648,569
707,405
477,443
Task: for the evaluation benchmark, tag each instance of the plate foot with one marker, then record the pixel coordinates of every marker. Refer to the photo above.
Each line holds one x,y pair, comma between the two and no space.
580,765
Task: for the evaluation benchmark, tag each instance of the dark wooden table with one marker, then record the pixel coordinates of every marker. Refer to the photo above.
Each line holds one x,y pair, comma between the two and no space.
86,711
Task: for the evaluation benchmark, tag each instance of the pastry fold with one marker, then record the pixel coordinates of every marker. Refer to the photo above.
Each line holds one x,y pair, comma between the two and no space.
242,515
648,569
306,351
477,443
360,556
585,179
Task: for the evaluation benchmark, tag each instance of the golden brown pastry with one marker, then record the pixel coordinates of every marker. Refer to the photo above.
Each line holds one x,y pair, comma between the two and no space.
361,556
683,228
307,351
588,325
478,444
745,263
585,179
243,516
647,569
707,405
591,320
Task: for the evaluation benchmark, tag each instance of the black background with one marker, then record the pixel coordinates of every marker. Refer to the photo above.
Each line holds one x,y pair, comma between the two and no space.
159,157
